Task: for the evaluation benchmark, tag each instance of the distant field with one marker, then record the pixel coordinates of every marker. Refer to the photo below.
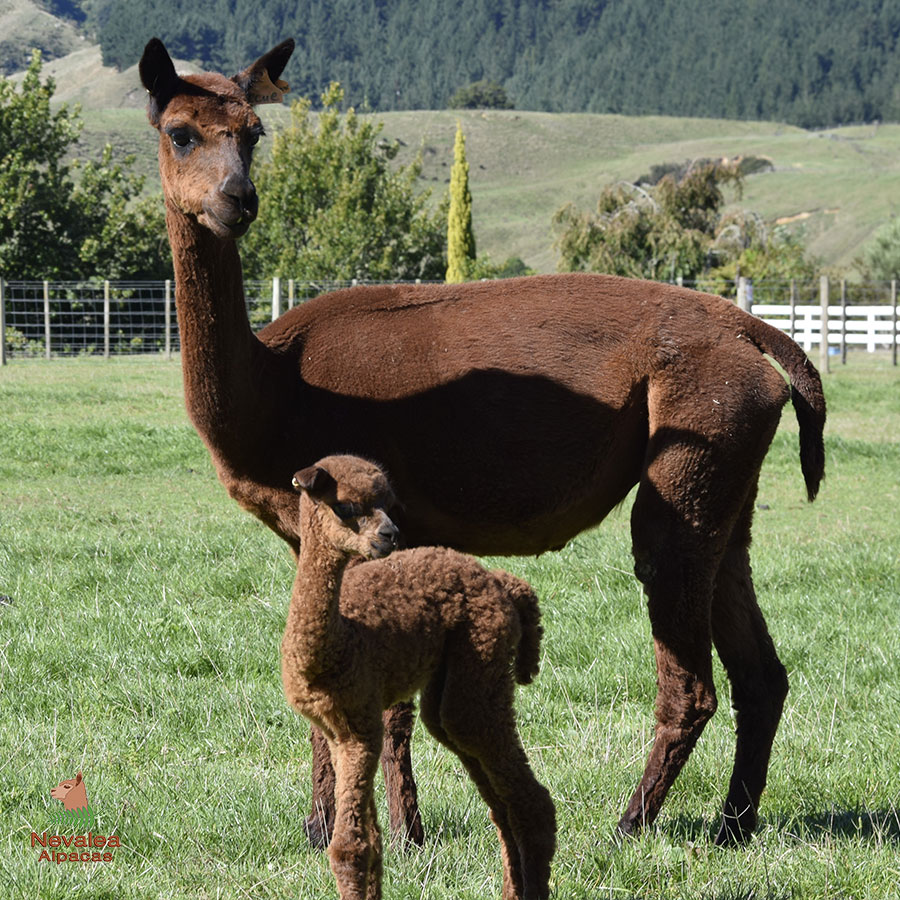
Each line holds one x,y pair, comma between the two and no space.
140,620
840,185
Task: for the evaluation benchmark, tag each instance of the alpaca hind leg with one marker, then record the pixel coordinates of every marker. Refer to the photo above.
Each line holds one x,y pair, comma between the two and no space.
758,680
355,848
708,437
319,823
396,763
677,573
476,714
509,850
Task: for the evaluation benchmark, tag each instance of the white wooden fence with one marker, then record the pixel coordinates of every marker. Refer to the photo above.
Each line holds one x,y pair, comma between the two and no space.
112,318
842,324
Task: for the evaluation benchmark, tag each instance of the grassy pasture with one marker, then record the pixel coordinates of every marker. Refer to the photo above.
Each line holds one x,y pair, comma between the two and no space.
139,636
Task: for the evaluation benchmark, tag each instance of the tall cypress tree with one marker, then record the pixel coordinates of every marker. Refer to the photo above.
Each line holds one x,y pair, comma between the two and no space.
460,237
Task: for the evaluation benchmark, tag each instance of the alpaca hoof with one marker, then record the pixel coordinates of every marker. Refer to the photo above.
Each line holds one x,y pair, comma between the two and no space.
628,828
318,832
411,831
734,833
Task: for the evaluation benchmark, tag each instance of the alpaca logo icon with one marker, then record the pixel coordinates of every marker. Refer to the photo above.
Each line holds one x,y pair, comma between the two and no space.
76,810
71,837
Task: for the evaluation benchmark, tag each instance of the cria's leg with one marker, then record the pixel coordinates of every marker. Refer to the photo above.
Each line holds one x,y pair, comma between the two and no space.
355,848
475,719
396,763
509,850
758,680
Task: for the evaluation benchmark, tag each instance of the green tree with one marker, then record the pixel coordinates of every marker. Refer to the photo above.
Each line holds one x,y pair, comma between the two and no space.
663,232
880,260
481,95
762,256
460,237
62,219
332,205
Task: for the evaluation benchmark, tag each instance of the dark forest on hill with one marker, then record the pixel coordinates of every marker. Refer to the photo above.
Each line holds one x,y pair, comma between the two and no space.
808,62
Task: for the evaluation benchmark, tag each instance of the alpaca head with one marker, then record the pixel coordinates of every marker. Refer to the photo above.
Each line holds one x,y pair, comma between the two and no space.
71,792
207,132
345,499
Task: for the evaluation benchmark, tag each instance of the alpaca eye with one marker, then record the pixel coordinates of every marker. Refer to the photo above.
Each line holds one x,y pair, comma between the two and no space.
345,511
181,138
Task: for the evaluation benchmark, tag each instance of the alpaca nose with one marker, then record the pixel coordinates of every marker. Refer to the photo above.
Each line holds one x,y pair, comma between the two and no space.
388,532
243,192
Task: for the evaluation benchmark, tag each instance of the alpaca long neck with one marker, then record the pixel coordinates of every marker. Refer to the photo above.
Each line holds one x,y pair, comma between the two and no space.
314,619
220,354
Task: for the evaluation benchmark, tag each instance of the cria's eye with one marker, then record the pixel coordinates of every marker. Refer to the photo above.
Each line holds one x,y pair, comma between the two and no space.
346,510
181,138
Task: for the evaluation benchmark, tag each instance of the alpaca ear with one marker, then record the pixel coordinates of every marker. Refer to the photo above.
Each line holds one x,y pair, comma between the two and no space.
314,481
159,78
260,81
78,778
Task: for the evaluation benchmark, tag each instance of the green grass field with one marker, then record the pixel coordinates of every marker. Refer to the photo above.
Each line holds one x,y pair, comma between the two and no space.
139,633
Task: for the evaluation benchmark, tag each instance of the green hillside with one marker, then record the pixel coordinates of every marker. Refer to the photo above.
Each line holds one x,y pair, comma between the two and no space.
25,25
837,185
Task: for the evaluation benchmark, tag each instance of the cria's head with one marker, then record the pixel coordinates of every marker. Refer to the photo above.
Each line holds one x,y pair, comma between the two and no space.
346,500
207,131
71,788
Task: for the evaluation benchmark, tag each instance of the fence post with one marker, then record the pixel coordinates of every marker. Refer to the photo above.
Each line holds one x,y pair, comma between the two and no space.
276,298
106,320
793,308
290,293
2,322
167,315
824,292
894,320
743,299
47,319
843,322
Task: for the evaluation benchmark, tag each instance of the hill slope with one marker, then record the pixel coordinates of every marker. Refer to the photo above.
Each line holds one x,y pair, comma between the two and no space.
24,26
842,184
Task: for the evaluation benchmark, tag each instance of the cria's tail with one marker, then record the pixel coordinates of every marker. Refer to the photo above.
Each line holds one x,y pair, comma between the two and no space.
806,395
528,653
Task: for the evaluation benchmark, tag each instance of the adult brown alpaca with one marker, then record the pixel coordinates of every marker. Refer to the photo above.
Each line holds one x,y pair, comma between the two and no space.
428,619
511,415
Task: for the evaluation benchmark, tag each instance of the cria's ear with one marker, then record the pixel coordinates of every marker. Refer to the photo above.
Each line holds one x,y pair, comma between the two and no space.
78,778
159,78
314,481
260,82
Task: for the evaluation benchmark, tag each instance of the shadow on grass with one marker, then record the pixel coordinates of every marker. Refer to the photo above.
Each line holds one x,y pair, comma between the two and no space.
864,824
881,825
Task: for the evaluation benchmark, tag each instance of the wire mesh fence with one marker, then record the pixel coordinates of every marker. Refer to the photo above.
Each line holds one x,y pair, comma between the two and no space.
114,318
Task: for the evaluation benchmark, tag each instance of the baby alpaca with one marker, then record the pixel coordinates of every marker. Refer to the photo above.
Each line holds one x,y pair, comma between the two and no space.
360,638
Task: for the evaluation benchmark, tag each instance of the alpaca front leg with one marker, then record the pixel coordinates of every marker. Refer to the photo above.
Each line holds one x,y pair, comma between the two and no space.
355,848
396,763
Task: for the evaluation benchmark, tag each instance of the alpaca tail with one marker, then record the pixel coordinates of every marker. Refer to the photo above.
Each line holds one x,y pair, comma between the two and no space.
807,395
528,652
